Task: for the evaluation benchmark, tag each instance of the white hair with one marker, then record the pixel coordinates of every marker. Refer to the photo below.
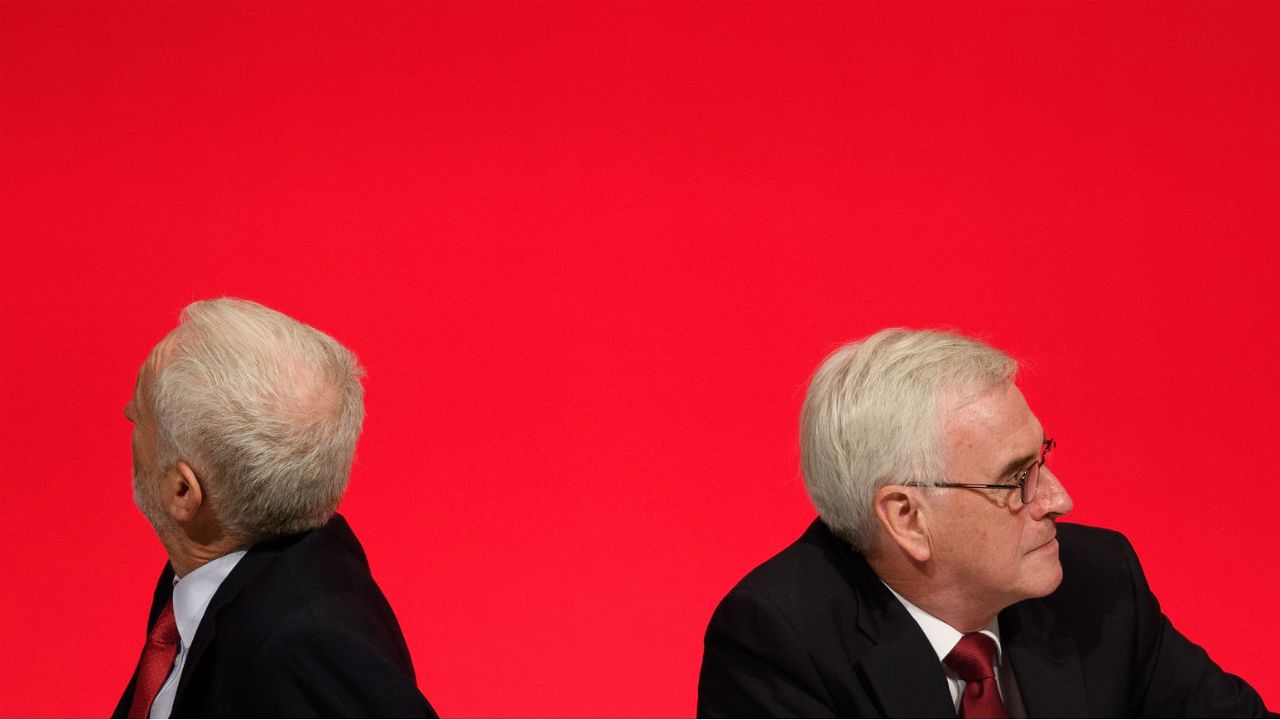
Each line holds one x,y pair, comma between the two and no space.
874,414
265,409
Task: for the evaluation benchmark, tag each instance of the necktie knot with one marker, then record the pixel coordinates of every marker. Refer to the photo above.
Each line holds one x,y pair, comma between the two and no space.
165,632
971,658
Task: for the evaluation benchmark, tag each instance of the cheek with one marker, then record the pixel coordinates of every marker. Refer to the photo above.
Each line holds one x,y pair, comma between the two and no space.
967,542
1007,551
143,451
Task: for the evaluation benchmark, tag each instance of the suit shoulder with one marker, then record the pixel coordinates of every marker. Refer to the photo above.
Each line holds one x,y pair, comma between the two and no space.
324,561
814,579
1090,535
321,576
1099,567
808,565
1084,545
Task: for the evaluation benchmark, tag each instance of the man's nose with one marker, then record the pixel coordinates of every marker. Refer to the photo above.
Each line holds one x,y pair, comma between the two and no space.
1051,498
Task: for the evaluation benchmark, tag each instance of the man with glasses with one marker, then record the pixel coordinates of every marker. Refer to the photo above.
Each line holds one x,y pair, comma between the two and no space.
937,581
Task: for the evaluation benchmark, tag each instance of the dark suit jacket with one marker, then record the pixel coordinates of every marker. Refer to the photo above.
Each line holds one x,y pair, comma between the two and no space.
814,633
298,629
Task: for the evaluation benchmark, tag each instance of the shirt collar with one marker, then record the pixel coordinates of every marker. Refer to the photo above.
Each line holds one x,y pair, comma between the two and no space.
942,637
193,592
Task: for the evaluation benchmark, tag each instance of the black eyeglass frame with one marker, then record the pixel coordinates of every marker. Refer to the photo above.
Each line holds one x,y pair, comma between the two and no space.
1021,477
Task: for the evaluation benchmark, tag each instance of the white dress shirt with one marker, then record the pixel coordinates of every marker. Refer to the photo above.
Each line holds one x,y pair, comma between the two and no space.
191,596
943,638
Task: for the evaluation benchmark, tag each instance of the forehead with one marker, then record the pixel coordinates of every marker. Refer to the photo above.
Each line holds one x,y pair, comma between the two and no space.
992,429
156,359
142,386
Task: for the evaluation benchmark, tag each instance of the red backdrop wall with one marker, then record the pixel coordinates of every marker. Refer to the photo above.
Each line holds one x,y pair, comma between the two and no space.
590,253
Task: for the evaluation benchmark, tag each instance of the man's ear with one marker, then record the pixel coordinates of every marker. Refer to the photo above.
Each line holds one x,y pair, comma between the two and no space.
186,494
904,520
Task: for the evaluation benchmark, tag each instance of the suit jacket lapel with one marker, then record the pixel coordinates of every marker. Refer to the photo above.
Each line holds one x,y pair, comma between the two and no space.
255,561
258,557
894,669
902,669
1047,667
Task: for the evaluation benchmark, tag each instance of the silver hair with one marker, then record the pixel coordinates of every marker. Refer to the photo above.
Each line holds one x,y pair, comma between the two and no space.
874,416
265,409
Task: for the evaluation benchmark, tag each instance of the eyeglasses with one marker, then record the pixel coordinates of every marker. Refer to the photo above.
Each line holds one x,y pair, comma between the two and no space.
1028,480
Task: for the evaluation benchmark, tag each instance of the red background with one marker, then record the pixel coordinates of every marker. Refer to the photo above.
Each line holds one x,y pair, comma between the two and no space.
590,254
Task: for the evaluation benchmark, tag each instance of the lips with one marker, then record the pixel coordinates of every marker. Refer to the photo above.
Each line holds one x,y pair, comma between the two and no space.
1051,542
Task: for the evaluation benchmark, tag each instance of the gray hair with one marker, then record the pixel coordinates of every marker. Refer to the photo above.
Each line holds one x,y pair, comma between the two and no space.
265,409
874,416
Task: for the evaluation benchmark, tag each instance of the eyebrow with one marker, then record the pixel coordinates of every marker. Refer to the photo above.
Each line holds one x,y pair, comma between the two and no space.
1019,463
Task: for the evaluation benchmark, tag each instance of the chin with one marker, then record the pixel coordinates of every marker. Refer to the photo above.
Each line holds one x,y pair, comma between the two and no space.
1046,580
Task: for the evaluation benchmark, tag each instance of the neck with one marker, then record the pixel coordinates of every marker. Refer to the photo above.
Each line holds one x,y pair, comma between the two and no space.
187,553
941,597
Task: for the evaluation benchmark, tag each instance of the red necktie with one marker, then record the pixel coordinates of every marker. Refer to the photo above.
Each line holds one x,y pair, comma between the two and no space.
157,662
971,660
